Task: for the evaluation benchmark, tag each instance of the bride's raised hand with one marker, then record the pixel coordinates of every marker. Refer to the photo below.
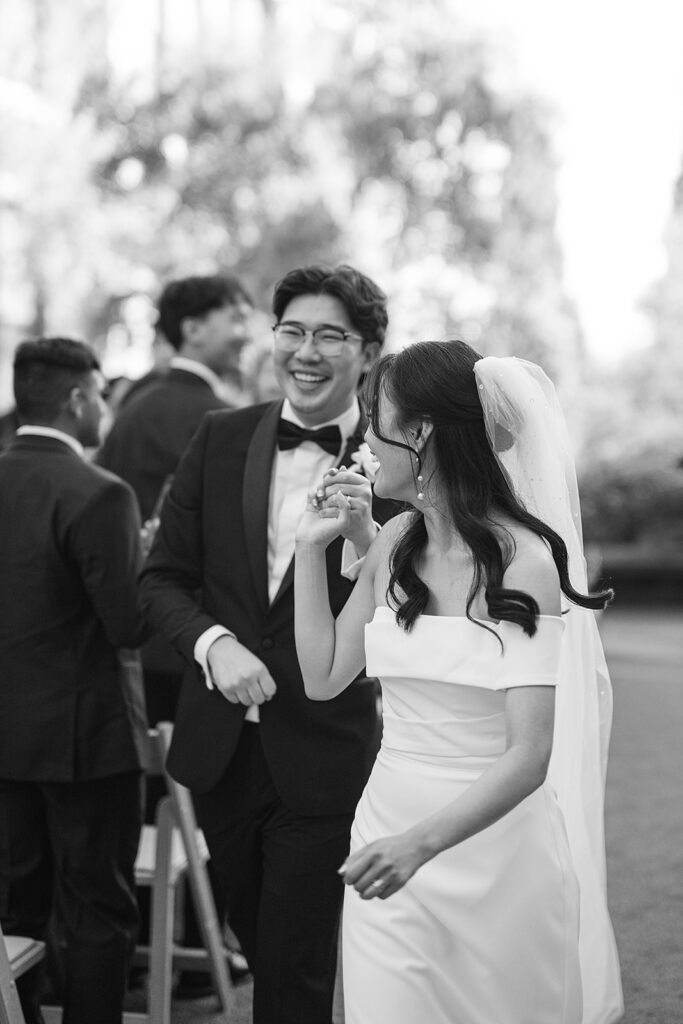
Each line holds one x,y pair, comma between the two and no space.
324,518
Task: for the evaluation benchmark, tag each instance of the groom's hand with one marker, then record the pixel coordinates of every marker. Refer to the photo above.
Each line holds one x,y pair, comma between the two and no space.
240,676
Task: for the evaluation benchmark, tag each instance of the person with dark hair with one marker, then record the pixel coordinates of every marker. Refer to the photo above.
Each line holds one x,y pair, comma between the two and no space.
205,321
475,882
274,777
72,722
365,304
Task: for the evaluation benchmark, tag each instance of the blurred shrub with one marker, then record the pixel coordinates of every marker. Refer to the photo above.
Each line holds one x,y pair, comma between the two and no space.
640,501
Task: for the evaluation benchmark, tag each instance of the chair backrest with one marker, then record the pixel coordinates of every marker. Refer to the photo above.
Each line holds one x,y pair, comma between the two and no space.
10,1007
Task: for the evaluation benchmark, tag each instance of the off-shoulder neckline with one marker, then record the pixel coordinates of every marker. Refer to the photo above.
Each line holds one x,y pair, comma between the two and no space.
463,618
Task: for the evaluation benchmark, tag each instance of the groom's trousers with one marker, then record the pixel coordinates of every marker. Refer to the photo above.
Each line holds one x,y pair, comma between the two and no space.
279,872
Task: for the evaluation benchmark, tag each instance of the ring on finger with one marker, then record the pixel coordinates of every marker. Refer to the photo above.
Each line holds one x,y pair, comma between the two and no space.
379,883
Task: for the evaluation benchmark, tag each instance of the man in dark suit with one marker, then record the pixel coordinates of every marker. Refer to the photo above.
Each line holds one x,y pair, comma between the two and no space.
276,777
72,725
205,319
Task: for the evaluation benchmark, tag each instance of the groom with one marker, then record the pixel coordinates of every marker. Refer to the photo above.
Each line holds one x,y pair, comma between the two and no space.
275,776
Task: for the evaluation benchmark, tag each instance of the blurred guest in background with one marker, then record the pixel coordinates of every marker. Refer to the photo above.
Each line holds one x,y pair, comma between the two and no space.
120,390
72,724
206,321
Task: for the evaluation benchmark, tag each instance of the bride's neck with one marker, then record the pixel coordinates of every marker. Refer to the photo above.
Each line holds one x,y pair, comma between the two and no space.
442,537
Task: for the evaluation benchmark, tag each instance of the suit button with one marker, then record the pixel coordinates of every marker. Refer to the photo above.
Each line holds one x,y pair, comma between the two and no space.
267,644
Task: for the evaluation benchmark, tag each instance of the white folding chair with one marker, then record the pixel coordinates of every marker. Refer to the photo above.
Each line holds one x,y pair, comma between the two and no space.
169,851
17,955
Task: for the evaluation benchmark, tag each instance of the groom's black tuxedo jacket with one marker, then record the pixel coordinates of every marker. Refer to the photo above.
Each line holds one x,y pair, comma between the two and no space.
208,565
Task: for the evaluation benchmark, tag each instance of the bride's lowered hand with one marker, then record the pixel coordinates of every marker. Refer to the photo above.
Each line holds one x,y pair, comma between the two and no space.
382,868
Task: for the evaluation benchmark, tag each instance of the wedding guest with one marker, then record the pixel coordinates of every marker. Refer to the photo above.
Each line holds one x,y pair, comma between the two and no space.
72,725
205,320
274,777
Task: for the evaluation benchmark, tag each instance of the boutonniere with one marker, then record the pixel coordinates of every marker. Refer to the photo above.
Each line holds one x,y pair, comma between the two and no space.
365,462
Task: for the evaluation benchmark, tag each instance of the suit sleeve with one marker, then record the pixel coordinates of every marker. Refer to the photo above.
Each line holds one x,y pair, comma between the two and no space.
172,576
107,546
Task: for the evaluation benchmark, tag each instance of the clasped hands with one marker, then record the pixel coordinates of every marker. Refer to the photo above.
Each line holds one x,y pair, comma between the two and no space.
340,506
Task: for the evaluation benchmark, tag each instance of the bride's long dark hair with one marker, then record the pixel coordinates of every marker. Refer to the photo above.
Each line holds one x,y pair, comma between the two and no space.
434,381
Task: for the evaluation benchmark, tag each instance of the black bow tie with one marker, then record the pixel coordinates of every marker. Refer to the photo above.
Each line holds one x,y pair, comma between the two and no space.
290,435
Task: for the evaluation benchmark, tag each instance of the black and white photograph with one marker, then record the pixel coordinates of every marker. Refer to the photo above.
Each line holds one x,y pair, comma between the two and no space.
341,512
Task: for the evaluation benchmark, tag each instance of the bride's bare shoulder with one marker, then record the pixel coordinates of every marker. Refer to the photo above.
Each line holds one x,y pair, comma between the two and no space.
532,568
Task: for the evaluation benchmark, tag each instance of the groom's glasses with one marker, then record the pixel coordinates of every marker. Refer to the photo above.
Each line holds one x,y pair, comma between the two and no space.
328,340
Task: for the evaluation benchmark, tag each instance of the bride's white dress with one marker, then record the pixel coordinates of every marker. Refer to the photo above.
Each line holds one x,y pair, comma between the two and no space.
486,932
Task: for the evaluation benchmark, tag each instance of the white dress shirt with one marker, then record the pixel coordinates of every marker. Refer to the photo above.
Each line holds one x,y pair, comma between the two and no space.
199,370
59,435
295,472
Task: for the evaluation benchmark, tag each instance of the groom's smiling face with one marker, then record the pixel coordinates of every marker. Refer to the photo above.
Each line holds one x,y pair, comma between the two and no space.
321,388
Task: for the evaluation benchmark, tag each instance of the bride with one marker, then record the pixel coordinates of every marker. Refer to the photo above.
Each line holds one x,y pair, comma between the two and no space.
475,882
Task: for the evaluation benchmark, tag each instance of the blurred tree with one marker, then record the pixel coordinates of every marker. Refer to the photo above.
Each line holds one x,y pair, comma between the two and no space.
633,464
452,178
199,176
326,131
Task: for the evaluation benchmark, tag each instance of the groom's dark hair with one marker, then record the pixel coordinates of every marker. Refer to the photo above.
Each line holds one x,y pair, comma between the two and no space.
364,302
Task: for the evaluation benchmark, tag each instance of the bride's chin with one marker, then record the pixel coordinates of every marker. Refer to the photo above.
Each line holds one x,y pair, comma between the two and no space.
380,491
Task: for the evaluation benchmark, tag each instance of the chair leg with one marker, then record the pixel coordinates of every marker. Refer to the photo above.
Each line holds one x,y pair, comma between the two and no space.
161,925
10,1007
211,936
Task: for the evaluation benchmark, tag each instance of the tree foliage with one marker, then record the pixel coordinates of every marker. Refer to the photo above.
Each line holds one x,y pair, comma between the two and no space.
406,159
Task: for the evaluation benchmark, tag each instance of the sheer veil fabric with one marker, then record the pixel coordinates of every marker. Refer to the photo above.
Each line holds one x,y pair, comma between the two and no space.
527,431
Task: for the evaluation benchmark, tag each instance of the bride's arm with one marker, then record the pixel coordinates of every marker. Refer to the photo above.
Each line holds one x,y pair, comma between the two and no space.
529,712
331,653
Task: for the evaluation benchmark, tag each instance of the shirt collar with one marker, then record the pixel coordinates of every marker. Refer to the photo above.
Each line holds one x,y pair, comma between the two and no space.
347,422
58,435
199,370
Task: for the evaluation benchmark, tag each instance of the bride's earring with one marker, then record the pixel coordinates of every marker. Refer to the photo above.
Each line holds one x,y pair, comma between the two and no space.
420,492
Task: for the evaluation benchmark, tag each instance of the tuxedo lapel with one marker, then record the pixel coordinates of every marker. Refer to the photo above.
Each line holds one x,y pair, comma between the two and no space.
352,445
255,495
